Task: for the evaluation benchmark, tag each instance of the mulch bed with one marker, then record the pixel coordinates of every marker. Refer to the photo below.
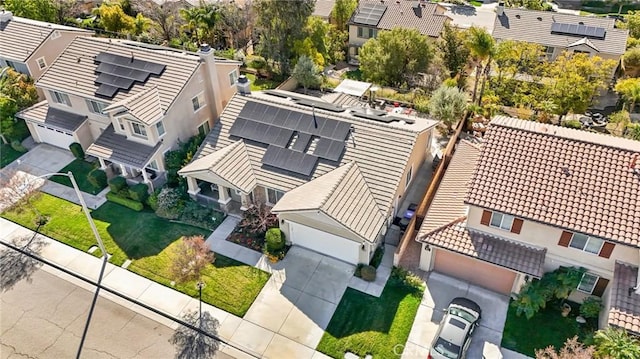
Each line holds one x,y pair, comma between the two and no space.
246,241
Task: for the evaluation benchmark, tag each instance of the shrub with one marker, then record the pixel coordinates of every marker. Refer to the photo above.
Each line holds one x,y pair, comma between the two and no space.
368,273
572,124
152,200
201,216
129,203
17,146
77,150
257,220
590,307
377,257
256,62
170,203
117,184
139,192
421,104
274,240
358,271
97,177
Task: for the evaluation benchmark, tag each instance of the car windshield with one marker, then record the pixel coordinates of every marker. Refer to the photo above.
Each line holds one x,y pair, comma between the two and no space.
462,314
446,348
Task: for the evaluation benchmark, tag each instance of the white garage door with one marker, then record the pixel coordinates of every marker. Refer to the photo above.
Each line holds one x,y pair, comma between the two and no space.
54,136
325,243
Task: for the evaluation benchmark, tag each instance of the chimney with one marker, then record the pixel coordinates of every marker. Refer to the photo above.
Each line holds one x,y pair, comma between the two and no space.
5,16
211,81
244,85
500,8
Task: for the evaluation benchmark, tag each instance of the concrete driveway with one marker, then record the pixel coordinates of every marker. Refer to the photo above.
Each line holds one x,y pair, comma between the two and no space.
298,302
42,159
440,291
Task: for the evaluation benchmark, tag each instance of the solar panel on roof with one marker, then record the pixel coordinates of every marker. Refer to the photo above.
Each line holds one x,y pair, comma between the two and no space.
578,30
321,105
302,142
121,72
106,90
288,160
329,149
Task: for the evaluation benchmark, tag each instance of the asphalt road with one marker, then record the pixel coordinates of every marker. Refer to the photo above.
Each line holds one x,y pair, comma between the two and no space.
45,319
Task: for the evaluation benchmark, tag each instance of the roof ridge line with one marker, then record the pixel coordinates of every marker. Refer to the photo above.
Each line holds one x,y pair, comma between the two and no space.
455,221
518,243
334,186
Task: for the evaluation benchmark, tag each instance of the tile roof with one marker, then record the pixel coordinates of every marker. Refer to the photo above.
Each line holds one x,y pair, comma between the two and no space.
41,112
535,27
114,147
35,113
448,202
145,105
230,163
624,310
74,71
572,179
20,37
457,237
409,14
344,195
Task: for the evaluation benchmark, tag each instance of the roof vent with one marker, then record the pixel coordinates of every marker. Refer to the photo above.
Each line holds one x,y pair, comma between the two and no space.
517,16
539,18
581,23
5,16
566,171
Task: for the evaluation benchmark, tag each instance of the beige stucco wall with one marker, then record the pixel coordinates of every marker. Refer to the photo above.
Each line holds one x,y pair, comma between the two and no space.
354,40
227,90
83,135
50,49
319,220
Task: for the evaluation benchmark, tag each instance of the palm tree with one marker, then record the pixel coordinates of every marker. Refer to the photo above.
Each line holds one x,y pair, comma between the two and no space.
482,46
616,343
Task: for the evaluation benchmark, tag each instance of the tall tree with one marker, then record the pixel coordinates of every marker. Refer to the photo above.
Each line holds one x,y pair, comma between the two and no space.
43,10
454,50
631,62
141,24
236,23
629,89
113,18
342,11
306,73
395,57
200,21
481,46
616,343
280,24
529,4
447,104
164,16
632,23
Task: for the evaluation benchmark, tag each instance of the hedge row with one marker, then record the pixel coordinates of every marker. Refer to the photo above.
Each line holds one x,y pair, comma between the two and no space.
129,203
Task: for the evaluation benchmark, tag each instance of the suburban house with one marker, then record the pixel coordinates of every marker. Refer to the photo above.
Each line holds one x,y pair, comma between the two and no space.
559,32
334,175
128,103
30,46
532,198
373,16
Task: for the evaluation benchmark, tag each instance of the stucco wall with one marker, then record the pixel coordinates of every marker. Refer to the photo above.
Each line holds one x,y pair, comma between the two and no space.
50,49
319,221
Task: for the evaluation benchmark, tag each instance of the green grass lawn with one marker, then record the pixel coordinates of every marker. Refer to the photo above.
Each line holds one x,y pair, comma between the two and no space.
476,3
259,84
525,336
363,324
8,155
80,171
353,75
230,285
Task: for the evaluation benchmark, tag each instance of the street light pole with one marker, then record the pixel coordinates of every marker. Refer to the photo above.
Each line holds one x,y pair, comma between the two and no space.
200,285
87,214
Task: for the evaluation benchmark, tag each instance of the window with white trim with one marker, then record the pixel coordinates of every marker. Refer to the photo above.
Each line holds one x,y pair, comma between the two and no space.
95,106
41,63
198,102
138,129
204,128
160,128
586,243
273,195
121,123
233,77
367,32
153,165
501,220
588,283
409,176
60,97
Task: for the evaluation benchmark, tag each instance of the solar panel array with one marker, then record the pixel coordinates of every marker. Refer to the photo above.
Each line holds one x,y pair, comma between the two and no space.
276,127
369,14
578,30
116,72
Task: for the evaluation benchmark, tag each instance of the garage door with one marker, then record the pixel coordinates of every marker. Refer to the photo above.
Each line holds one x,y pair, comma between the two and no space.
324,243
54,136
477,272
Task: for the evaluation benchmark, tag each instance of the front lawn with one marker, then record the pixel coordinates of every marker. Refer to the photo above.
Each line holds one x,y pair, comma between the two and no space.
259,84
230,285
80,170
547,327
363,324
8,155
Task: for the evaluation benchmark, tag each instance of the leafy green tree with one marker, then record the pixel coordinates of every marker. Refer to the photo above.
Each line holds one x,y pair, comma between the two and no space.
306,73
17,92
322,42
482,46
342,11
616,343
529,4
113,18
200,21
620,3
518,57
632,24
454,50
631,62
280,24
43,10
141,24
633,131
629,89
447,104
395,57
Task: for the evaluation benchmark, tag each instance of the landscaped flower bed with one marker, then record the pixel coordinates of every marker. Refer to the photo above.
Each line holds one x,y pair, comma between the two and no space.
245,240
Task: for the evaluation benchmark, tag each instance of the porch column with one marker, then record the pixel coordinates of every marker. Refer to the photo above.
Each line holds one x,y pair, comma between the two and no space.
223,195
103,164
193,186
245,202
123,170
145,176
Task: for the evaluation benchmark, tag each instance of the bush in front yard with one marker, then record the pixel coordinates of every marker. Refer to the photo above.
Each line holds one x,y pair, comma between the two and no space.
118,184
17,146
170,203
129,203
201,216
98,178
152,200
368,273
77,150
274,240
139,192
590,307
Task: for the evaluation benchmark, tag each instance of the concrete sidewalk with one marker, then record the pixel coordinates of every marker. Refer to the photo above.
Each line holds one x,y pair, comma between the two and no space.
159,297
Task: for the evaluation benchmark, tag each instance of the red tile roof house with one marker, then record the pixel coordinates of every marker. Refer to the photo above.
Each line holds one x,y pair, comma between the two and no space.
533,197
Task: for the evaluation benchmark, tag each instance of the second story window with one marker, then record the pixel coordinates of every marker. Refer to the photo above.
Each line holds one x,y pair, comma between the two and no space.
501,220
41,63
95,106
160,128
367,32
198,102
233,77
138,130
60,97
586,243
273,195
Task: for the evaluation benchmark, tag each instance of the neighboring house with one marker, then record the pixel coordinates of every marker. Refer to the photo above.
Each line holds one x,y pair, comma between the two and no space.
373,16
323,9
30,46
559,32
532,198
335,176
128,103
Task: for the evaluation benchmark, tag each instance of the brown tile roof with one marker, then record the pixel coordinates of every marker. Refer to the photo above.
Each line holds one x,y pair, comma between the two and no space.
624,311
115,147
408,14
563,177
458,238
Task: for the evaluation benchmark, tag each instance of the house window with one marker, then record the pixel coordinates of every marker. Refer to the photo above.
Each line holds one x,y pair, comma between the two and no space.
366,33
372,33
233,77
549,52
160,128
41,63
586,243
121,124
198,102
203,129
409,177
60,97
502,221
273,195
153,165
588,283
138,129
95,106
360,32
